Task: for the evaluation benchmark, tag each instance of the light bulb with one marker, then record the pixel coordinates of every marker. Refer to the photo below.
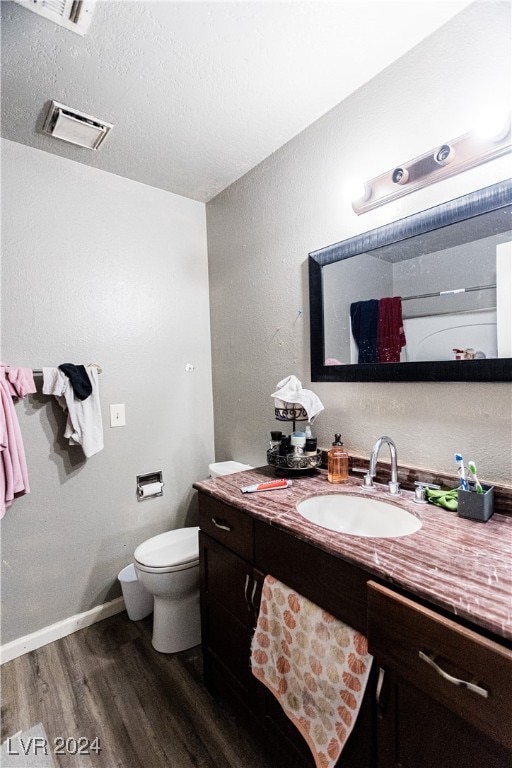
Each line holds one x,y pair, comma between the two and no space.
493,126
360,191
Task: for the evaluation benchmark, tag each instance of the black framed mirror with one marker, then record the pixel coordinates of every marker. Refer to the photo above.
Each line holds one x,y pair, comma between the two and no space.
449,267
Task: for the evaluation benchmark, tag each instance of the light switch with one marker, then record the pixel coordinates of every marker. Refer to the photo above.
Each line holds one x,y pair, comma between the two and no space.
117,415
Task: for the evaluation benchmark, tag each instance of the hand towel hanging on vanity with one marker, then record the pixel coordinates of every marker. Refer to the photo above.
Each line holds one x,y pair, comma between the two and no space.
315,665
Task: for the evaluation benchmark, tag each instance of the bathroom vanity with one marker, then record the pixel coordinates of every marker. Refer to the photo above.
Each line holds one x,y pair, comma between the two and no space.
435,606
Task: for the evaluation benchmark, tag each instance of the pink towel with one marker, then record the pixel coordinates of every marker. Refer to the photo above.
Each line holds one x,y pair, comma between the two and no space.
316,666
20,381
390,330
13,466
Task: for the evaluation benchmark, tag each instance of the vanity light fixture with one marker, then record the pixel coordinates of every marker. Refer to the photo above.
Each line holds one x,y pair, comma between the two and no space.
490,140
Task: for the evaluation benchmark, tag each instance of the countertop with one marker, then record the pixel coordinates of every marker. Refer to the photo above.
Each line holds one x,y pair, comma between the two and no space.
462,566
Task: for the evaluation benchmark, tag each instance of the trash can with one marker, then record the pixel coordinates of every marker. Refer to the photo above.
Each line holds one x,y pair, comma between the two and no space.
137,599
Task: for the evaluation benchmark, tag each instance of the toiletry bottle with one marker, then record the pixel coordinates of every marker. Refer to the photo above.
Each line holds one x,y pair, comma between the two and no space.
298,441
275,439
285,445
337,462
310,447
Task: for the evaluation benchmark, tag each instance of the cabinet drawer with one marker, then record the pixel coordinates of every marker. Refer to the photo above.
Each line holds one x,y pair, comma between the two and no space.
411,639
228,525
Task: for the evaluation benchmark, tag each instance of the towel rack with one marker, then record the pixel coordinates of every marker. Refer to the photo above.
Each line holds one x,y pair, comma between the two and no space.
449,292
39,371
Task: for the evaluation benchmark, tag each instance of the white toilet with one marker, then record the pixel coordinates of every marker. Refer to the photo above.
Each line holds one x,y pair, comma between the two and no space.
168,566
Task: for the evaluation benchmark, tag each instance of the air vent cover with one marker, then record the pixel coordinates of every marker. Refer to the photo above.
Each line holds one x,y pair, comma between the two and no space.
72,14
76,127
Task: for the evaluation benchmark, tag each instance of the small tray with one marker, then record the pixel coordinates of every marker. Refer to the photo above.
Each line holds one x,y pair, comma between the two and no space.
293,463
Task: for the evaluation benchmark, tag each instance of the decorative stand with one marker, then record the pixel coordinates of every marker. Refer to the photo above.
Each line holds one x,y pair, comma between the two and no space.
291,463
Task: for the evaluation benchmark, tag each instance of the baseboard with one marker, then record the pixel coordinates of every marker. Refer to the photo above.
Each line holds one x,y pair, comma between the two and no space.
60,629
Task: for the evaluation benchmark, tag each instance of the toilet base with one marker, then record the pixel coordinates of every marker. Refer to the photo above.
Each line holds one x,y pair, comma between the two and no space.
176,625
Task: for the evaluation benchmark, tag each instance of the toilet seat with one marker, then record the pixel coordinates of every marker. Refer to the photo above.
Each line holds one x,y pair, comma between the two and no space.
170,551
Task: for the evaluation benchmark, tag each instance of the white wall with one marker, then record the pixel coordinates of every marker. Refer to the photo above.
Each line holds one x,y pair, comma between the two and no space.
261,229
98,268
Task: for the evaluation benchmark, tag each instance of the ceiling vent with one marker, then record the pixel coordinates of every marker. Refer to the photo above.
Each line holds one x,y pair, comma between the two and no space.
76,127
75,15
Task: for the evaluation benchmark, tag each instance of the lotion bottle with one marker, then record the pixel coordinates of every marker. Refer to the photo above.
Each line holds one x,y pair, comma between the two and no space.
337,462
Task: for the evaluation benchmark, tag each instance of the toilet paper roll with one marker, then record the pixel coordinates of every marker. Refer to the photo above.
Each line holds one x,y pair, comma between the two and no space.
150,489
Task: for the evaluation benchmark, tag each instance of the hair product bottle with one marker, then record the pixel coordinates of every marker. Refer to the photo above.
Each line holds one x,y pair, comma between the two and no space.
337,462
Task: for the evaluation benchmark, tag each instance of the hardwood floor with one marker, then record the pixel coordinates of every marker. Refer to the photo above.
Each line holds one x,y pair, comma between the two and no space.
146,709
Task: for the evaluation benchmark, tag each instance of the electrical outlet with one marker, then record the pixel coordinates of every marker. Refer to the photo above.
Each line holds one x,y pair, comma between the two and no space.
117,415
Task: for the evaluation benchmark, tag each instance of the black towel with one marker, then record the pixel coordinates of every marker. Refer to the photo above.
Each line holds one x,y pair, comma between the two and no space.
364,316
79,379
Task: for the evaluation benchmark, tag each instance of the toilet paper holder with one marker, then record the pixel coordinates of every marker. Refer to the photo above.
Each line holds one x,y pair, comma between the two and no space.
150,485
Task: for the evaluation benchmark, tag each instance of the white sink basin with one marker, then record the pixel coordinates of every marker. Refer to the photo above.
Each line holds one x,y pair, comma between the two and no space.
358,516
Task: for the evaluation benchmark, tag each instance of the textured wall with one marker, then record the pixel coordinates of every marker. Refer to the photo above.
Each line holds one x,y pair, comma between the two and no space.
261,229
97,268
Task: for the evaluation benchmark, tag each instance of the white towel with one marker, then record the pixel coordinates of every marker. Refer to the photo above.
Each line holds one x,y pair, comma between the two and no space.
84,425
290,390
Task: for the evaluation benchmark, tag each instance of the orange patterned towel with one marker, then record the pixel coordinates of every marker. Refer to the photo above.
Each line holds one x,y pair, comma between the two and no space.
316,666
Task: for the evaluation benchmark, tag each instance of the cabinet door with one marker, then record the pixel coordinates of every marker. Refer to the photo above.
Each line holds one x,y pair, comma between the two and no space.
339,588
445,700
230,594
414,731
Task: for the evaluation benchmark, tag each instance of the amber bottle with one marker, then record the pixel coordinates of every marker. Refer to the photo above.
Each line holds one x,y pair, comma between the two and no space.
337,462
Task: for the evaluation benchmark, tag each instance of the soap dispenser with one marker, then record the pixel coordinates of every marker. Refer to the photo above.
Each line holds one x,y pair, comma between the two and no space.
337,462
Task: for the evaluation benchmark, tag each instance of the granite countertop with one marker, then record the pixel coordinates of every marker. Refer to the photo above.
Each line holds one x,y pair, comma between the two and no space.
462,566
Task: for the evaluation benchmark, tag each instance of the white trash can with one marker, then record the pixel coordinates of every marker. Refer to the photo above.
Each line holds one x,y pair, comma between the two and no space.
137,599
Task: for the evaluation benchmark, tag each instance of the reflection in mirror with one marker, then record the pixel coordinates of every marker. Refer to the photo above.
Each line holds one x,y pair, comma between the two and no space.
448,273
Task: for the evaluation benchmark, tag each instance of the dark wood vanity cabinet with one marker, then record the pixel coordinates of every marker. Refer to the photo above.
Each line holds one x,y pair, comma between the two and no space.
236,552
230,595
425,718
421,719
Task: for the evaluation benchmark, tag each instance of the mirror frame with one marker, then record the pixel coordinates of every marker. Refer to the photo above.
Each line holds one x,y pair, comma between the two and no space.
474,204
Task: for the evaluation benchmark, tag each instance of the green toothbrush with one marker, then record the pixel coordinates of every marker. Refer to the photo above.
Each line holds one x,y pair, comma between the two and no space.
472,469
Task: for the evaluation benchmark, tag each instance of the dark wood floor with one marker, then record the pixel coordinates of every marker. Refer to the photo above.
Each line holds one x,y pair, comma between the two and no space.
146,709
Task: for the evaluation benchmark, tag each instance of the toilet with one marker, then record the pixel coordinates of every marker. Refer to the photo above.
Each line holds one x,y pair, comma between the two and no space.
168,566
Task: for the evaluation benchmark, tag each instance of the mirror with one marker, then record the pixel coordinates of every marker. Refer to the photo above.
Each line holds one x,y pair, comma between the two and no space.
448,270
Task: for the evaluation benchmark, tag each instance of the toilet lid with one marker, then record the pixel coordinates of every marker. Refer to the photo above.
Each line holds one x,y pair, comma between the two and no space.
171,548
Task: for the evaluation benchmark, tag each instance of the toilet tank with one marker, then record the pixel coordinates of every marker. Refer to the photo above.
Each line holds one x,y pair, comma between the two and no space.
227,468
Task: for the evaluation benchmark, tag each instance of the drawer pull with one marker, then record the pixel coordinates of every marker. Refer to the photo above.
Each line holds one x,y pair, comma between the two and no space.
454,680
247,578
253,593
221,525
378,694
380,683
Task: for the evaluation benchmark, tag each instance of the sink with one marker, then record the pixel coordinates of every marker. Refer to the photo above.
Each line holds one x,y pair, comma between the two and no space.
358,516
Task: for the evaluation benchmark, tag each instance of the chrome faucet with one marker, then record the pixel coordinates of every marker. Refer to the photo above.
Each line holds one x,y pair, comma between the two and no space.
393,485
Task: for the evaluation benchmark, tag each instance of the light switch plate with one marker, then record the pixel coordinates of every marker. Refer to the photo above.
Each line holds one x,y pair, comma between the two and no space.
117,415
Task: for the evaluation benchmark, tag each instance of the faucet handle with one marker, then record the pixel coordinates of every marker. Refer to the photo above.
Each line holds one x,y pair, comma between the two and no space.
419,493
367,479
